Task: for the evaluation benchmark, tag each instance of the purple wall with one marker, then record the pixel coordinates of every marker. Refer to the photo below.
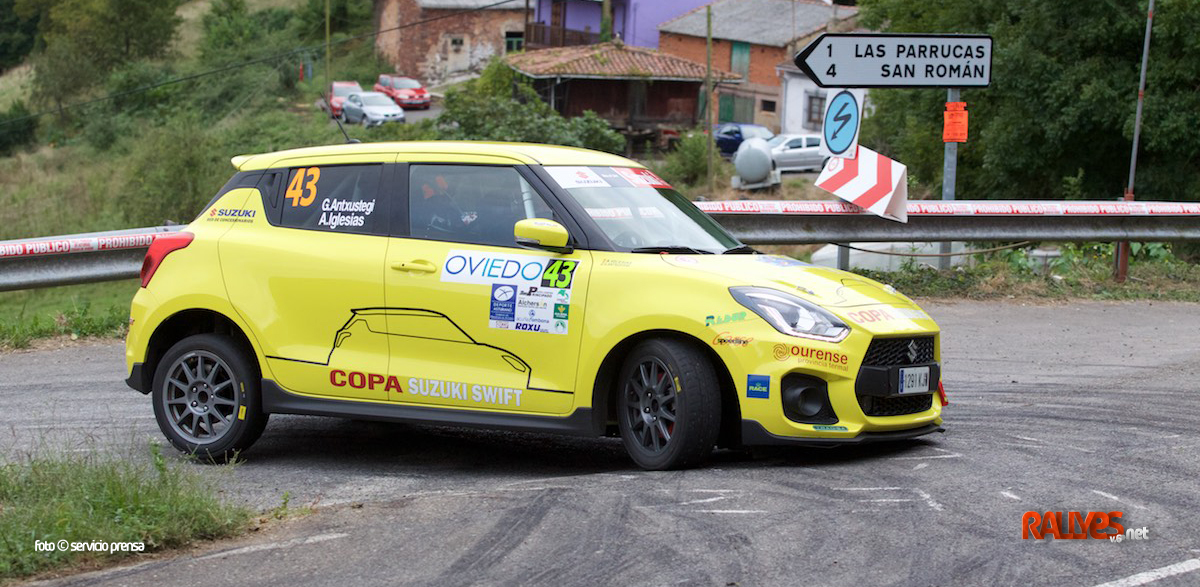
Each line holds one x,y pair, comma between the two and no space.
635,20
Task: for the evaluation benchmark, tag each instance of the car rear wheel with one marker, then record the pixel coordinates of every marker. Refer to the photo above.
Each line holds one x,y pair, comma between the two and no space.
206,397
342,116
669,405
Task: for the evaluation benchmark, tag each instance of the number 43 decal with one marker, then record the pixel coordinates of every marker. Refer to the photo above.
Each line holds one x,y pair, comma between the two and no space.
303,188
559,273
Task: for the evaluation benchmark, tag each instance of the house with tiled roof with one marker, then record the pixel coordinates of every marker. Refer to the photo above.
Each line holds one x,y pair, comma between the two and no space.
645,94
750,38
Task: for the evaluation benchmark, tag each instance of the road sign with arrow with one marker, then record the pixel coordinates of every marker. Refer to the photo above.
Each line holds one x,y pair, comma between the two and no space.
851,60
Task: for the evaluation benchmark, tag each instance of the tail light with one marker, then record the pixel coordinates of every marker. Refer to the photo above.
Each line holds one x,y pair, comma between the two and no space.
942,395
161,247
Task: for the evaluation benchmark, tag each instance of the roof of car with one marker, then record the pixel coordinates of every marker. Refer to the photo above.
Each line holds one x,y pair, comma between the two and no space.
466,152
344,84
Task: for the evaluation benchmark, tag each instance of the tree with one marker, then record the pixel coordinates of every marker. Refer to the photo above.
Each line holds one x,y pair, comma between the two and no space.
17,35
1058,117
86,39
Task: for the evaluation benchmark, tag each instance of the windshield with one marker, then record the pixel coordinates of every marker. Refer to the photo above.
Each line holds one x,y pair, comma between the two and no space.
405,84
776,140
376,100
640,212
750,132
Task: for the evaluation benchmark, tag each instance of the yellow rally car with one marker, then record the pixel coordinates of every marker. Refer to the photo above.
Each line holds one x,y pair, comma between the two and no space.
513,286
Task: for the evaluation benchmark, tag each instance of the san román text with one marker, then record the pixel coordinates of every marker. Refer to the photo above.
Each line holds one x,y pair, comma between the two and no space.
923,52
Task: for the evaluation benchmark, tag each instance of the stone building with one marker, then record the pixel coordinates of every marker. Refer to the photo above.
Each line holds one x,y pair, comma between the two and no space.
464,36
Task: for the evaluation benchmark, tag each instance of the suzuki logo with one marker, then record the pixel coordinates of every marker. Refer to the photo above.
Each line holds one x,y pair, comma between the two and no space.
912,351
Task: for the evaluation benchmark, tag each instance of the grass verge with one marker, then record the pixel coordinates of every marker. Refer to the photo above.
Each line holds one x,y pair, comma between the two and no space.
1168,280
89,310
87,499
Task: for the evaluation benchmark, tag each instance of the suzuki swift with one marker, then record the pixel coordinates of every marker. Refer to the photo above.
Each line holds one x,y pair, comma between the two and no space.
511,286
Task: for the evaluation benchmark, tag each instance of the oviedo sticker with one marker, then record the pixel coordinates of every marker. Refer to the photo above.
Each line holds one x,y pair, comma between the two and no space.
528,293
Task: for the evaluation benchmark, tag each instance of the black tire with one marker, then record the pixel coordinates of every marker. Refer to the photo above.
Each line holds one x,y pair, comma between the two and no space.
206,397
686,390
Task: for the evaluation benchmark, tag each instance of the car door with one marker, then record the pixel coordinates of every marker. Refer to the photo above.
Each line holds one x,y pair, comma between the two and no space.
812,152
474,321
792,154
353,108
384,85
318,257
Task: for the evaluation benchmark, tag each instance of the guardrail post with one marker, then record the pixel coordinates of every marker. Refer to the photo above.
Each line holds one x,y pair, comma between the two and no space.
843,257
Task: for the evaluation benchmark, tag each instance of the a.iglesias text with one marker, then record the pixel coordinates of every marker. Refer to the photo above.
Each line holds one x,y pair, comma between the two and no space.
337,213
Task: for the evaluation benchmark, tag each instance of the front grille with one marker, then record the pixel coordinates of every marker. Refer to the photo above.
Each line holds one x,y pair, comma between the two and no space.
888,352
895,406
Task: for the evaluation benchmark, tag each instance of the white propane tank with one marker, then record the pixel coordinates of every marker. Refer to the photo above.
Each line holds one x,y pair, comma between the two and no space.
753,160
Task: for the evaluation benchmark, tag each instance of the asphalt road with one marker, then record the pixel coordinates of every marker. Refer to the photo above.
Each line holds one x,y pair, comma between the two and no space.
1075,407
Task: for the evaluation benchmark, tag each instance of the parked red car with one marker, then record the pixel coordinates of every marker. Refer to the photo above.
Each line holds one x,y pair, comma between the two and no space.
406,91
337,94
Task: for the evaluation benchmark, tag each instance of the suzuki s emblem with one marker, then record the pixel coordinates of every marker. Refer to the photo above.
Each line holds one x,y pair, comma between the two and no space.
912,351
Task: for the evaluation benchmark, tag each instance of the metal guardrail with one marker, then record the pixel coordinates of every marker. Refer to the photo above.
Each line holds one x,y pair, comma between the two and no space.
107,256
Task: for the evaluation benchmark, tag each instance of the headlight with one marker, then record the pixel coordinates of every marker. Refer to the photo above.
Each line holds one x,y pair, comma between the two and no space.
790,314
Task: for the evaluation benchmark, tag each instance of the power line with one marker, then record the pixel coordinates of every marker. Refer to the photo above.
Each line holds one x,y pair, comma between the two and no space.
248,63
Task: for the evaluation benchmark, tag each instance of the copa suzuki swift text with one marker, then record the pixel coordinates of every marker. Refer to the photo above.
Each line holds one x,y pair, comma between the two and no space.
511,286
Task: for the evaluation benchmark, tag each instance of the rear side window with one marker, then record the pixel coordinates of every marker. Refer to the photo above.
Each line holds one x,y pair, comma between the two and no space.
334,198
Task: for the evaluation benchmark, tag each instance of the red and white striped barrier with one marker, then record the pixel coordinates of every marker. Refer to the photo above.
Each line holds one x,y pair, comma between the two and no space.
62,246
959,208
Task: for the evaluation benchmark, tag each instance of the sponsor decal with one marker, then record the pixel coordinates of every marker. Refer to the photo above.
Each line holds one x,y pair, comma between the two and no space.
504,302
576,177
758,386
360,380
530,309
480,394
1079,526
716,320
731,340
616,263
336,213
486,268
830,428
641,177
779,261
230,215
815,357
888,315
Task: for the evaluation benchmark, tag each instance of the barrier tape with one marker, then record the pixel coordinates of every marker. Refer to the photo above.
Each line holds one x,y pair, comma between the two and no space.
940,208
78,245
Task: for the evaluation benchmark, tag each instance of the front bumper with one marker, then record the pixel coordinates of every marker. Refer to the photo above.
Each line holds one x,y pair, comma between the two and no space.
753,434
861,402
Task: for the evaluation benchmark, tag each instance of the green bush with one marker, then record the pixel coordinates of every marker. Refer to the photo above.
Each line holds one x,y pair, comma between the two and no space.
175,170
18,133
688,163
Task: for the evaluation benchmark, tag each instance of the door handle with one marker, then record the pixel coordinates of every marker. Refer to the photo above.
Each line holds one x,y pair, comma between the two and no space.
417,266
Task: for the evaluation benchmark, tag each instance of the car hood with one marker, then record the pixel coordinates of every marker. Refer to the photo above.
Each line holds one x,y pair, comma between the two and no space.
850,296
382,110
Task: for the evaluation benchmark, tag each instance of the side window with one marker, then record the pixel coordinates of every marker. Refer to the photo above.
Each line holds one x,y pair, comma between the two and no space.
795,143
470,203
385,81
335,198
812,142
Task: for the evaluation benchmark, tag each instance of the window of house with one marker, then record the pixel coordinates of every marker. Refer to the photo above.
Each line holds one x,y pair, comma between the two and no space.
768,105
814,109
456,44
514,41
739,58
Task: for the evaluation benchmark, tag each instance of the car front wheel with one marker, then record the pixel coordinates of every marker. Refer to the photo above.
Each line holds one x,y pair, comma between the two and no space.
206,397
669,407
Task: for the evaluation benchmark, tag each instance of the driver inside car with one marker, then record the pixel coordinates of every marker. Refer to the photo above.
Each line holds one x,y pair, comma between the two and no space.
436,215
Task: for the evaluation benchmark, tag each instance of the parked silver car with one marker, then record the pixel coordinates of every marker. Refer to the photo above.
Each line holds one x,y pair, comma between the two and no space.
371,109
796,152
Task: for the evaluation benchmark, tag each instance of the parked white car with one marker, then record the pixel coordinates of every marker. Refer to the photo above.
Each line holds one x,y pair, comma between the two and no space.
797,152
371,109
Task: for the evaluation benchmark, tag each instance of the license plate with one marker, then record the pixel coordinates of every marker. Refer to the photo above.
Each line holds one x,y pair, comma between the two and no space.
914,380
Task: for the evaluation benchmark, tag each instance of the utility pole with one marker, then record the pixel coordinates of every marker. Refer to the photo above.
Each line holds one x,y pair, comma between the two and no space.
327,67
1122,252
710,132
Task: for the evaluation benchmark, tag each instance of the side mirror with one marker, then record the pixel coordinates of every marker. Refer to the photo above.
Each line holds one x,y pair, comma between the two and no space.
540,233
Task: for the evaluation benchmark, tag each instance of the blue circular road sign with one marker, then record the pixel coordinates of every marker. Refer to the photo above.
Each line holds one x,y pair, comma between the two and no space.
841,123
